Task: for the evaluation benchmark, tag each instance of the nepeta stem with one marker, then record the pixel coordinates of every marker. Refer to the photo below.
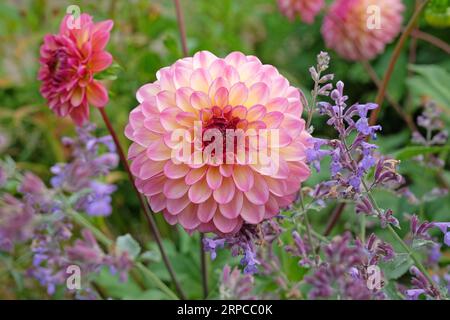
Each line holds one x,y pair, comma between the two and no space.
143,203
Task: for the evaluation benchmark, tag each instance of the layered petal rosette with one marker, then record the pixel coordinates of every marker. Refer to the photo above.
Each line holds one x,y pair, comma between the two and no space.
69,60
242,151
307,10
360,29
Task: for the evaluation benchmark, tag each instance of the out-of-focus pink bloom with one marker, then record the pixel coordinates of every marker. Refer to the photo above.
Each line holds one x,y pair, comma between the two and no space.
204,93
69,60
360,29
307,10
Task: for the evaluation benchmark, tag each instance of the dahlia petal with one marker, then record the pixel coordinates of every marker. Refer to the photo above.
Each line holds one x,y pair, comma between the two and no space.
223,224
200,100
243,177
157,202
200,80
169,119
181,77
175,206
236,59
175,189
226,191
214,178
206,210
158,151
277,186
171,219
77,96
150,168
175,171
97,94
258,94
165,99
239,112
257,112
199,192
188,217
183,99
259,193
273,119
221,97
279,104
272,208
147,91
238,94
252,213
195,175
153,186
232,209
100,61
226,170
203,59
80,114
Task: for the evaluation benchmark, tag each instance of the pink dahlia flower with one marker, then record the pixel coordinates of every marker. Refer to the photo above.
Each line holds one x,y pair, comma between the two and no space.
360,29
69,61
206,98
307,10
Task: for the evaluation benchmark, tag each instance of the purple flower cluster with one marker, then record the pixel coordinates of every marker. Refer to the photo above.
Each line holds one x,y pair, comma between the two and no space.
38,214
244,242
16,222
421,285
352,157
235,286
88,165
340,276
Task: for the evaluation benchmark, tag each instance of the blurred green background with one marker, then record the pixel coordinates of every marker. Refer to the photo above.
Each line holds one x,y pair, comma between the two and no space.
145,38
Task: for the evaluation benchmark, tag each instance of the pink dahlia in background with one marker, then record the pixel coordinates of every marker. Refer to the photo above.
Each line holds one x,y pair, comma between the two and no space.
69,61
203,94
355,30
305,9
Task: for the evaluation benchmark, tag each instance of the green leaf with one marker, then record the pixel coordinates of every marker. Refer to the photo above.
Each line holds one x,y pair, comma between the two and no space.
431,81
437,13
397,267
111,73
413,151
126,243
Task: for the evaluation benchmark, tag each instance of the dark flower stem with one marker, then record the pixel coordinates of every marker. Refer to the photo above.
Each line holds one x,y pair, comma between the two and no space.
182,30
143,203
181,27
397,50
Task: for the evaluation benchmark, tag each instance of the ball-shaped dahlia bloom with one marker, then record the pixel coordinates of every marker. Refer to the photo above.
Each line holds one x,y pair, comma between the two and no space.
220,177
69,60
360,29
307,10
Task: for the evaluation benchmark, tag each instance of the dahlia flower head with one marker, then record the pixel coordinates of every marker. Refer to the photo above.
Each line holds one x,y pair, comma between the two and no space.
307,10
203,183
360,29
69,60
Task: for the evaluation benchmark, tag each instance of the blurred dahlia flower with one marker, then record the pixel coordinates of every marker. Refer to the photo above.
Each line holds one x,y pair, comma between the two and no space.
305,9
69,61
226,171
360,29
